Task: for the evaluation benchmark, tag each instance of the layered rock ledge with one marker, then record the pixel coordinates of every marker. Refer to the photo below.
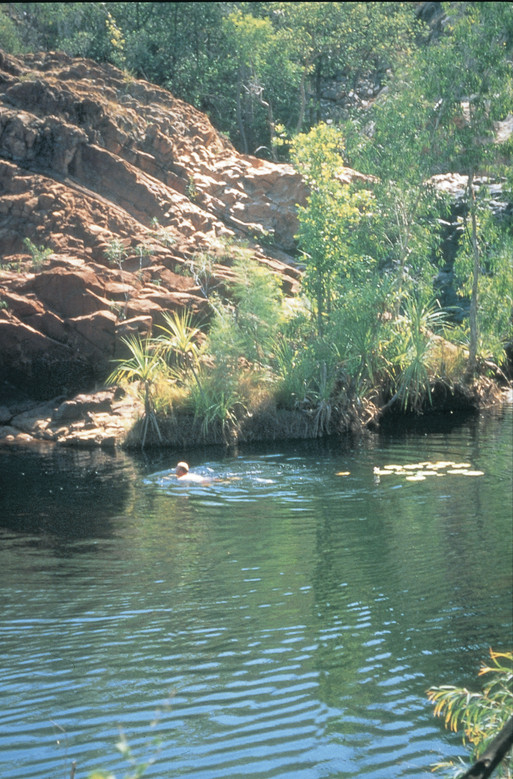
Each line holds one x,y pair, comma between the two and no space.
110,188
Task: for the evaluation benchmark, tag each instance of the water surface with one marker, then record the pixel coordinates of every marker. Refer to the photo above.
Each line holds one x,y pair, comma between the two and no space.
284,621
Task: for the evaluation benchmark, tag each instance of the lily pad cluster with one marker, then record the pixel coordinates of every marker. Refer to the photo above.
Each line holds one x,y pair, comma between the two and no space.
420,471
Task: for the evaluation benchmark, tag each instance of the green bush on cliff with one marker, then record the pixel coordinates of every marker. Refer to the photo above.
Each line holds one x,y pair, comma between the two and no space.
38,253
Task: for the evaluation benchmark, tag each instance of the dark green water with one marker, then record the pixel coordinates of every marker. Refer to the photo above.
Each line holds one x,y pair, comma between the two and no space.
284,622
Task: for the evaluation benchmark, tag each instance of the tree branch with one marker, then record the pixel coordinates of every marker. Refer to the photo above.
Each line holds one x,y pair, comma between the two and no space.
490,759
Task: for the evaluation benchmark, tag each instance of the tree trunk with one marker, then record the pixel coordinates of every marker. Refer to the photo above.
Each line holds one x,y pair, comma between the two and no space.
240,122
302,101
474,333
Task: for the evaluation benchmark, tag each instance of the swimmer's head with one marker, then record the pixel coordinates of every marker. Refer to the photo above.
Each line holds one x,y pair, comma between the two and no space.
182,469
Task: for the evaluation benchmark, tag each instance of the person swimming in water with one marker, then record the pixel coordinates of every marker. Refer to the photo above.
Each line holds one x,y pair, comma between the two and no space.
183,474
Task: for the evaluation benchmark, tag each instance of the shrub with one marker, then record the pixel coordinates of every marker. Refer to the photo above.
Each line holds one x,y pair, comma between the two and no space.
39,253
409,351
481,715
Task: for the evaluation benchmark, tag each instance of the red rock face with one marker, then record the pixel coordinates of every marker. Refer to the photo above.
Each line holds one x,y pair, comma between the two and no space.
87,157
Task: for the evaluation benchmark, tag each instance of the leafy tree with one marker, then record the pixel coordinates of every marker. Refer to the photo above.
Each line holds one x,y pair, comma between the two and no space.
252,38
472,92
250,66
494,314
10,39
176,45
466,78
394,144
331,221
80,29
439,115
344,40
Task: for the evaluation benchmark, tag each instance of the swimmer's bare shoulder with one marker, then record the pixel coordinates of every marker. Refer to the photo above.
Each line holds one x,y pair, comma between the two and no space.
184,475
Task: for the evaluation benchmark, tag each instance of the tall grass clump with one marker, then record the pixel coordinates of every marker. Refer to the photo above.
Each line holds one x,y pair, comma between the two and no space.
234,372
413,335
359,327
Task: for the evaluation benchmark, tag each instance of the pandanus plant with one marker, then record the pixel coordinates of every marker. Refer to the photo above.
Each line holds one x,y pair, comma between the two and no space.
180,343
145,364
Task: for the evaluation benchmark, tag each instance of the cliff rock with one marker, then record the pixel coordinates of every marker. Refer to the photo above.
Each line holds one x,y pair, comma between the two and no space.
110,188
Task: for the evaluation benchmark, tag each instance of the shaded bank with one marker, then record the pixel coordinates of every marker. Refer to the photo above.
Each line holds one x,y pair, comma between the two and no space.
113,419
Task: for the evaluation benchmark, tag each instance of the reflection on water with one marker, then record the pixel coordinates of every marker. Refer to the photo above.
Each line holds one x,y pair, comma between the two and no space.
283,621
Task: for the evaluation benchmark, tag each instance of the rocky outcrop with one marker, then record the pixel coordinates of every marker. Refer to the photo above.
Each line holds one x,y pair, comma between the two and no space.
102,419
109,190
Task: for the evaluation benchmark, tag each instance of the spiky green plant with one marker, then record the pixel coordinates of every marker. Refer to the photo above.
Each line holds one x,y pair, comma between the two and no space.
145,365
217,404
481,715
180,343
413,336
288,369
358,327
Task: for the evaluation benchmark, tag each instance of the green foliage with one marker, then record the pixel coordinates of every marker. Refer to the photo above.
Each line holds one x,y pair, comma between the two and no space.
191,189
495,282
180,338
359,328
254,44
480,715
79,29
10,40
144,365
291,378
440,115
412,337
39,253
201,268
348,41
138,766
369,247
180,342
162,234
217,403
116,252
473,91
234,372
331,221
249,65
258,312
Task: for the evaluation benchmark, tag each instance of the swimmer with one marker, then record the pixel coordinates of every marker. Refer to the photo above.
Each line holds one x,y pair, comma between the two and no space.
183,474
